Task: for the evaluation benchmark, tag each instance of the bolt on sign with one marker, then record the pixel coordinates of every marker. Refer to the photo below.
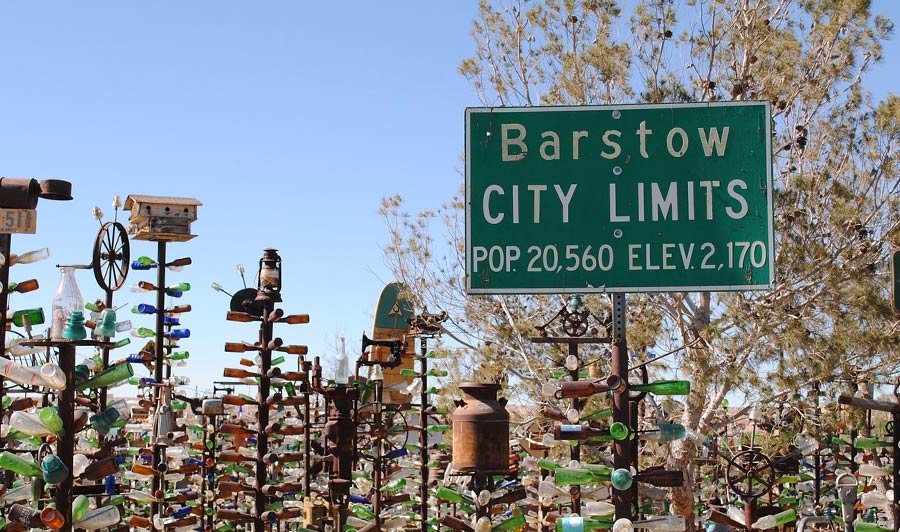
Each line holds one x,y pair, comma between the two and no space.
629,198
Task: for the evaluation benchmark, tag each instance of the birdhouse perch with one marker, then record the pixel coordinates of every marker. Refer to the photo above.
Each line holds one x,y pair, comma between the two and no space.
159,218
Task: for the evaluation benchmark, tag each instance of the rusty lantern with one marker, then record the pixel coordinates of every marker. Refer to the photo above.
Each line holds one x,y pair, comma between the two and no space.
480,430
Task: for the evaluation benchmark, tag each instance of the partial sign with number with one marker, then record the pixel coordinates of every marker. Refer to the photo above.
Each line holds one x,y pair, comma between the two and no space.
634,198
18,221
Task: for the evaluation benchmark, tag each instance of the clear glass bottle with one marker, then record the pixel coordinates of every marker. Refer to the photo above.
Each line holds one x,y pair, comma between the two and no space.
67,299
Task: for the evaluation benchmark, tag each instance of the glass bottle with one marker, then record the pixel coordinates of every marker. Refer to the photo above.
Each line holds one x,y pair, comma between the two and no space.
579,476
67,299
103,517
513,523
50,418
29,423
80,505
19,465
52,518
342,364
663,387
35,316
108,377
29,257
574,523
772,521
870,443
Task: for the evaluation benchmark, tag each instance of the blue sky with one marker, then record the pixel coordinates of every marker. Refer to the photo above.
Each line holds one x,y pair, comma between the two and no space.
288,120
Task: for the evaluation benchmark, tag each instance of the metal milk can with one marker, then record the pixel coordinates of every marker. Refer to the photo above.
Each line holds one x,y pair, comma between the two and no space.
480,430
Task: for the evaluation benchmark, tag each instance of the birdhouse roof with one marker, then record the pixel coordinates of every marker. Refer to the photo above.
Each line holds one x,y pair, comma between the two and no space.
136,198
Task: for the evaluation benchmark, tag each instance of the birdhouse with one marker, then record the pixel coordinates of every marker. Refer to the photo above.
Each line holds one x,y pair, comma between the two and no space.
161,219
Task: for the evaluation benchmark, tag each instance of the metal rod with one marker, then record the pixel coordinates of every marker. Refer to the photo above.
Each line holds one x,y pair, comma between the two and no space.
262,441
575,450
423,443
158,484
65,445
621,404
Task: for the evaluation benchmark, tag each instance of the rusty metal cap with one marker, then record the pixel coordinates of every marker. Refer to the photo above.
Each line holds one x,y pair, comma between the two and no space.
56,189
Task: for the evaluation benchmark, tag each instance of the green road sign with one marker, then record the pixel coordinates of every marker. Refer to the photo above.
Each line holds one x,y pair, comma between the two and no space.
631,198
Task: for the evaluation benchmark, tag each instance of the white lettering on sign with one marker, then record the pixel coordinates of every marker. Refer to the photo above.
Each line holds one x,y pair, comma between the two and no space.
492,206
513,146
518,141
712,139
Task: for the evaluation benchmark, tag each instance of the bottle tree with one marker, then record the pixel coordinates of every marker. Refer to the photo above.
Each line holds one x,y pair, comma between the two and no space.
833,172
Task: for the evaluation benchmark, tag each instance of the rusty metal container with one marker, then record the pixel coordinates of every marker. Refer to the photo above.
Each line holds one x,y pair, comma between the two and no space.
480,430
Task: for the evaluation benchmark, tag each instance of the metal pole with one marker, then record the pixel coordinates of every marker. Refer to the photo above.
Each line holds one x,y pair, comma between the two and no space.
158,484
575,451
262,412
423,451
5,245
376,460
65,445
621,404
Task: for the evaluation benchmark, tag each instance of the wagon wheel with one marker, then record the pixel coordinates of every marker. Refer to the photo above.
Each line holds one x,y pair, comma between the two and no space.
112,254
750,474
394,432
575,323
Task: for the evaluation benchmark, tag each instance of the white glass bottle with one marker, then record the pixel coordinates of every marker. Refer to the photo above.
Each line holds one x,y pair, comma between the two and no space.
342,365
67,299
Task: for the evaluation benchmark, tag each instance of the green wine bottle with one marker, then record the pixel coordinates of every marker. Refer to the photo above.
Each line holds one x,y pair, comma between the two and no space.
663,387
580,476
870,443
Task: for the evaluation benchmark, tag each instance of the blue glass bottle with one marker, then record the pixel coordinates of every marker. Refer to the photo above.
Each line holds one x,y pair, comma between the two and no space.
178,333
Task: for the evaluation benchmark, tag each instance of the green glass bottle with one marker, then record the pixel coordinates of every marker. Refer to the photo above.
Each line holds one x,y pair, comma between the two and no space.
19,465
514,522
50,418
179,355
438,373
80,505
362,512
108,377
566,476
452,496
663,387
143,332
549,465
775,520
862,526
35,316
582,524
406,372
278,360
870,443
180,287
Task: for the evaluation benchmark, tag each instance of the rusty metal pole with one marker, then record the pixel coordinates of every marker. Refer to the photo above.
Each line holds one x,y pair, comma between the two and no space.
159,361
5,249
262,411
575,451
621,404
423,451
376,461
65,445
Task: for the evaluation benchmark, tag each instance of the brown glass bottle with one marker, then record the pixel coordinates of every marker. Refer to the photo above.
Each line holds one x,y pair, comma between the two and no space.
237,400
237,373
99,469
237,430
